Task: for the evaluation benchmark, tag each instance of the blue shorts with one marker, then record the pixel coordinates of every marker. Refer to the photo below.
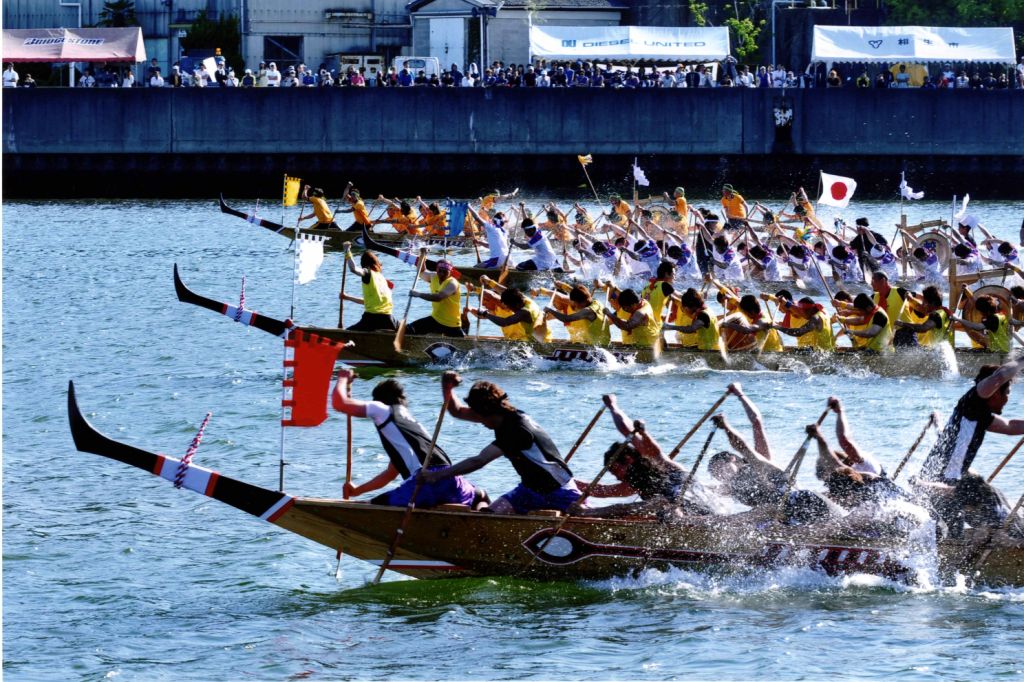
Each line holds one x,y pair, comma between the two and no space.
524,500
454,490
489,263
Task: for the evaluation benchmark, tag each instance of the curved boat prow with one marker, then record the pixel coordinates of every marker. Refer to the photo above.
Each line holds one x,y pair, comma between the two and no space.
249,318
268,505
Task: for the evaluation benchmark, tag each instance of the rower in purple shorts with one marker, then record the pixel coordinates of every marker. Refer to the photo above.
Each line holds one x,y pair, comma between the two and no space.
406,443
546,481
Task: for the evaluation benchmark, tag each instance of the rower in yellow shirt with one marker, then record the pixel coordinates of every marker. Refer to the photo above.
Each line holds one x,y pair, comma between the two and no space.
376,293
445,301
526,315
735,207
435,218
996,327
703,324
810,324
619,212
584,318
323,214
635,319
751,330
935,328
488,202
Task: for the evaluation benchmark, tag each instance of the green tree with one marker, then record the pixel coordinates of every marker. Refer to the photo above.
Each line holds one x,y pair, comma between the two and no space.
958,13
207,34
117,14
744,34
699,12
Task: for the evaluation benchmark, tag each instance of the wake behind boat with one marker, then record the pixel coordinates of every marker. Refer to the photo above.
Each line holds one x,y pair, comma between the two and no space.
454,541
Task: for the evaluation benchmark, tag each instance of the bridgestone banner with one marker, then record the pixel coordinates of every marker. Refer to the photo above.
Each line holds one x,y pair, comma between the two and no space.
629,42
912,44
59,45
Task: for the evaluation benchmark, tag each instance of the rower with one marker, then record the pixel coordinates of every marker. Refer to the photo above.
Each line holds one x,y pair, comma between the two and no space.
870,323
400,216
692,317
724,262
816,331
636,320
358,210
376,298
762,263
406,444
643,469
584,318
497,239
680,210
543,256
324,216
747,329
433,217
753,480
844,263
685,261
996,327
956,492
445,301
555,223
488,202
761,445
546,481
935,329
659,290
619,211
735,208
872,249
525,314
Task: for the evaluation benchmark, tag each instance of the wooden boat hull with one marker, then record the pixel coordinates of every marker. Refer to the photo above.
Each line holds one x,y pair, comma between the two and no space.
377,349
457,542
336,239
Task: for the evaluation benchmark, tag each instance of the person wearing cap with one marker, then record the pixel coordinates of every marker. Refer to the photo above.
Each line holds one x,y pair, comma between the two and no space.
407,445
261,75
445,303
289,80
320,210
273,76
735,207
546,482
248,80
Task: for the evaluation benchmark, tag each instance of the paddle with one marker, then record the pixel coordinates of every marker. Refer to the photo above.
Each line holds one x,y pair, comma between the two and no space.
1003,528
696,464
638,426
799,456
711,410
933,420
1005,460
400,334
764,341
586,431
400,531
341,305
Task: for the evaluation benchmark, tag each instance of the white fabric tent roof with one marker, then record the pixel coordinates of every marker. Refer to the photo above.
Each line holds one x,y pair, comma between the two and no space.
629,42
912,44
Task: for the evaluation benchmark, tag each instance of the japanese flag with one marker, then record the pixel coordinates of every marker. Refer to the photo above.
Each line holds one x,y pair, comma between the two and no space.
836,190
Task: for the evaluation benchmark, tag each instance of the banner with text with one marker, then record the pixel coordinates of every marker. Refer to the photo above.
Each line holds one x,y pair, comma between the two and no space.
629,42
912,43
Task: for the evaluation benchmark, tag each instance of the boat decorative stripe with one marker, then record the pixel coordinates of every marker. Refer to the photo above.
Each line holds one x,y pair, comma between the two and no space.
278,509
418,564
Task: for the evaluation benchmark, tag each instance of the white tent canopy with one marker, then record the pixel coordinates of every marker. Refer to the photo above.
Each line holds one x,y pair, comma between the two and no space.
912,44
629,42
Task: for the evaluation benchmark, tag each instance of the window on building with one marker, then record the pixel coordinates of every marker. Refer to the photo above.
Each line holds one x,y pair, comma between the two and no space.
285,51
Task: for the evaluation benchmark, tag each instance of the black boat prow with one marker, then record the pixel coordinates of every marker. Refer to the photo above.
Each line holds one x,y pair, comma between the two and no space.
374,245
88,439
270,225
249,318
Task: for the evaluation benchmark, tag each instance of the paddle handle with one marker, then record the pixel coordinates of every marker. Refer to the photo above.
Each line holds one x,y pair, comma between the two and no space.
1006,525
586,432
696,463
341,304
400,334
400,531
1005,460
679,446
906,457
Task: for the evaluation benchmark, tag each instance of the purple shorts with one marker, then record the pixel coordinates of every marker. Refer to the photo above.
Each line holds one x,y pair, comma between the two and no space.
489,263
524,500
455,490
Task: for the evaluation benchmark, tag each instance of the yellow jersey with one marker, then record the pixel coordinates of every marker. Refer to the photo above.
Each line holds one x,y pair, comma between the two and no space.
447,311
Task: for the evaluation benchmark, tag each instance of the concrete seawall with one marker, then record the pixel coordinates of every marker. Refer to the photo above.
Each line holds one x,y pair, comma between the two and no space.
166,140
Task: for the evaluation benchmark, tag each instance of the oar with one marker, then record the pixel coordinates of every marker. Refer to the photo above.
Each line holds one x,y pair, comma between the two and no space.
504,266
586,431
400,334
1005,460
933,419
1003,528
696,464
795,462
415,491
767,332
344,275
638,426
711,411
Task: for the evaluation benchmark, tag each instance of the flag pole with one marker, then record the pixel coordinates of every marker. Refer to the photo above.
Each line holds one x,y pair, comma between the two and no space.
589,181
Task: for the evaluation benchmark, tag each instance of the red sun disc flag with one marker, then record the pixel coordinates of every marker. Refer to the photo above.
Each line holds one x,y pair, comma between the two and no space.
311,365
836,190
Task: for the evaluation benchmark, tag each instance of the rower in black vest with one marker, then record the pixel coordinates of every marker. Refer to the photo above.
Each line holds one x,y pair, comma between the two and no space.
547,482
406,443
958,494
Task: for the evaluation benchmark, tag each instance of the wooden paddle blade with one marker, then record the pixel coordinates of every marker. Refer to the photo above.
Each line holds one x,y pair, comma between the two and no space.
400,337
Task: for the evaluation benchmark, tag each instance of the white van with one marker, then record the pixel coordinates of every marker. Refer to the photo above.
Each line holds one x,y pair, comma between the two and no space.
374,65
428,65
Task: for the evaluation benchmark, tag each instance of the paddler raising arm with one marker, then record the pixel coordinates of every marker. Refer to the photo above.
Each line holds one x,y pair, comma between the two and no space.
546,480
406,443
324,216
376,293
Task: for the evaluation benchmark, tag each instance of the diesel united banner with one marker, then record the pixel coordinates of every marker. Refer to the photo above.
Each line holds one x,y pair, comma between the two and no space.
629,42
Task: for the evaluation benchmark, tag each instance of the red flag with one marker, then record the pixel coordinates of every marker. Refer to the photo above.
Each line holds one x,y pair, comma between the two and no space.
312,365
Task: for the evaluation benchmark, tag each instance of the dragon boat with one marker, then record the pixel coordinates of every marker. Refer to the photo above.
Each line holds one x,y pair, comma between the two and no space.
453,541
378,349
336,239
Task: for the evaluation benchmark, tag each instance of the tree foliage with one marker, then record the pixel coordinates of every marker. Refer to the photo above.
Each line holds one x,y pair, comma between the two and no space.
958,13
209,34
118,14
699,12
744,35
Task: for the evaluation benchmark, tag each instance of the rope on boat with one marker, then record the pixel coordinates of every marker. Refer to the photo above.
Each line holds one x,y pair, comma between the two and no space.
179,476
241,302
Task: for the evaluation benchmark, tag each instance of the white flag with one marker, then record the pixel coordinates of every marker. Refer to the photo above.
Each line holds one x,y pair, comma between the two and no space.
836,190
962,217
638,175
906,191
310,256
